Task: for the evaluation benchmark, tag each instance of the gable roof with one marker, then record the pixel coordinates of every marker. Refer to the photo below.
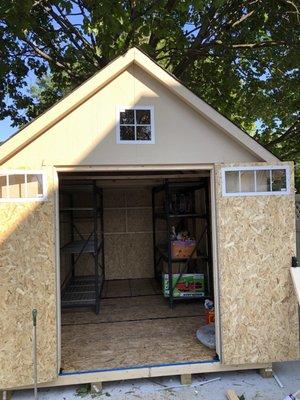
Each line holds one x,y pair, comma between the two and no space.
59,110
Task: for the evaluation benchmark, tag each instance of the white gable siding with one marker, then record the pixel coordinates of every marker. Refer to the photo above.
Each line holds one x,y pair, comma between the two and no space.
87,136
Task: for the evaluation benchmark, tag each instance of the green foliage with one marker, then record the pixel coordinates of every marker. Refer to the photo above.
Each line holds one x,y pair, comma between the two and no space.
241,57
83,391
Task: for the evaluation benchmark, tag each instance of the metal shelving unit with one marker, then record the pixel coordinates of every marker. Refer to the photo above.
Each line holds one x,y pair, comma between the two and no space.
177,219
84,290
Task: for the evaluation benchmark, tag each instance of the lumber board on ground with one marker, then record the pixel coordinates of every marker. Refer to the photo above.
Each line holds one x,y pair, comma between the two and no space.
231,395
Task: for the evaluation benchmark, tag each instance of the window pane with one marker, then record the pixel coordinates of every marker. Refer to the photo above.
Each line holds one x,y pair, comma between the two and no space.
279,180
3,187
263,181
127,117
35,185
247,181
143,133
17,186
232,181
143,117
127,133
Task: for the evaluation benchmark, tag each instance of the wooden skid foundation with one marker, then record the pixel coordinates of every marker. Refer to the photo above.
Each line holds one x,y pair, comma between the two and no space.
146,372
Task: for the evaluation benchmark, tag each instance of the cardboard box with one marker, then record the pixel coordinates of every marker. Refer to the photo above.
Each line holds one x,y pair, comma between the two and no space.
183,248
177,268
189,285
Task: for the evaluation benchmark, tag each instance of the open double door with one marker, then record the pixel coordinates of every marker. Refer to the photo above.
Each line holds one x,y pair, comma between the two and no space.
258,314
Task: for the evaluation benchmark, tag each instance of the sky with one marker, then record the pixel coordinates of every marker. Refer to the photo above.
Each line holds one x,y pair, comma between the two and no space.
5,129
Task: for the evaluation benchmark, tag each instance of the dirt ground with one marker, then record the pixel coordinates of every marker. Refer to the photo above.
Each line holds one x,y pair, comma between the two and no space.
249,385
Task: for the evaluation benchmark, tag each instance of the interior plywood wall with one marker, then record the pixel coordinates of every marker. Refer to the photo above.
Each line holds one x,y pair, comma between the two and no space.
258,307
128,236
128,233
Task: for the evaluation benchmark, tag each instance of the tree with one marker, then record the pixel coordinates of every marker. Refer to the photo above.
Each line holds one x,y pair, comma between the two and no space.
239,56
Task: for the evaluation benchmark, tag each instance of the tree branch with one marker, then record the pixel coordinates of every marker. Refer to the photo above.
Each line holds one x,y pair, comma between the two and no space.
42,54
69,30
293,131
243,18
154,39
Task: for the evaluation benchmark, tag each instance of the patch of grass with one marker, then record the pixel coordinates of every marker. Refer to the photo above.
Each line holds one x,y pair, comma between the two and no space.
242,397
83,391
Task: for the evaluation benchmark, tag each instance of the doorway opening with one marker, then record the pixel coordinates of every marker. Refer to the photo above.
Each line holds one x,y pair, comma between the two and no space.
136,268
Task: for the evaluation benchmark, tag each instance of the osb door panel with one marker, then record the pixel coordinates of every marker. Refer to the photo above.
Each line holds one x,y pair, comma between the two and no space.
27,281
258,306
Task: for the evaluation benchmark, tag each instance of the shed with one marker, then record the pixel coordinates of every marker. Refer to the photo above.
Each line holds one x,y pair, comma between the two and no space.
123,208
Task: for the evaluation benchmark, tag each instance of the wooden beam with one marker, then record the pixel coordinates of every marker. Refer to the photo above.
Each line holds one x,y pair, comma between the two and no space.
128,168
266,372
6,395
186,379
196,174
145,372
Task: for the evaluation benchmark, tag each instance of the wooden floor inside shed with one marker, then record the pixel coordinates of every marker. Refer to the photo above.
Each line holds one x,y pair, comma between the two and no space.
135,327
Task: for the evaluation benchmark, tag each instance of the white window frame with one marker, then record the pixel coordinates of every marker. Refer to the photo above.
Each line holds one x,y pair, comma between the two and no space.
119,109
24,172
256,168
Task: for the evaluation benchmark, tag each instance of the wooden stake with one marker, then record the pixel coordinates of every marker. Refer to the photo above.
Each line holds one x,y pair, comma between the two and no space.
34,351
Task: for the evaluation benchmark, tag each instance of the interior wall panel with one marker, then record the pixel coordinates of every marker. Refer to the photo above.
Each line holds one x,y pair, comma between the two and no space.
128,233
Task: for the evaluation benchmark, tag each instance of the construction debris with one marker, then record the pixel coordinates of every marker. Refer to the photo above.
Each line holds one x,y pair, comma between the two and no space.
277,380
231,395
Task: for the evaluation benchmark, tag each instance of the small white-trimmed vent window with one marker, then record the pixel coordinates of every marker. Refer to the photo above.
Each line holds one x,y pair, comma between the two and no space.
135,125
255,181
18,186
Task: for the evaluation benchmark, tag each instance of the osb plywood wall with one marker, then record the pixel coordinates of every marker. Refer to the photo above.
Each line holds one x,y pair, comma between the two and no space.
128,233
28,280
258,307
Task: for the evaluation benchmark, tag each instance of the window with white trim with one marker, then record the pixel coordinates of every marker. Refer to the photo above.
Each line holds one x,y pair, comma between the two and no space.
255,181
135,125
22,186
